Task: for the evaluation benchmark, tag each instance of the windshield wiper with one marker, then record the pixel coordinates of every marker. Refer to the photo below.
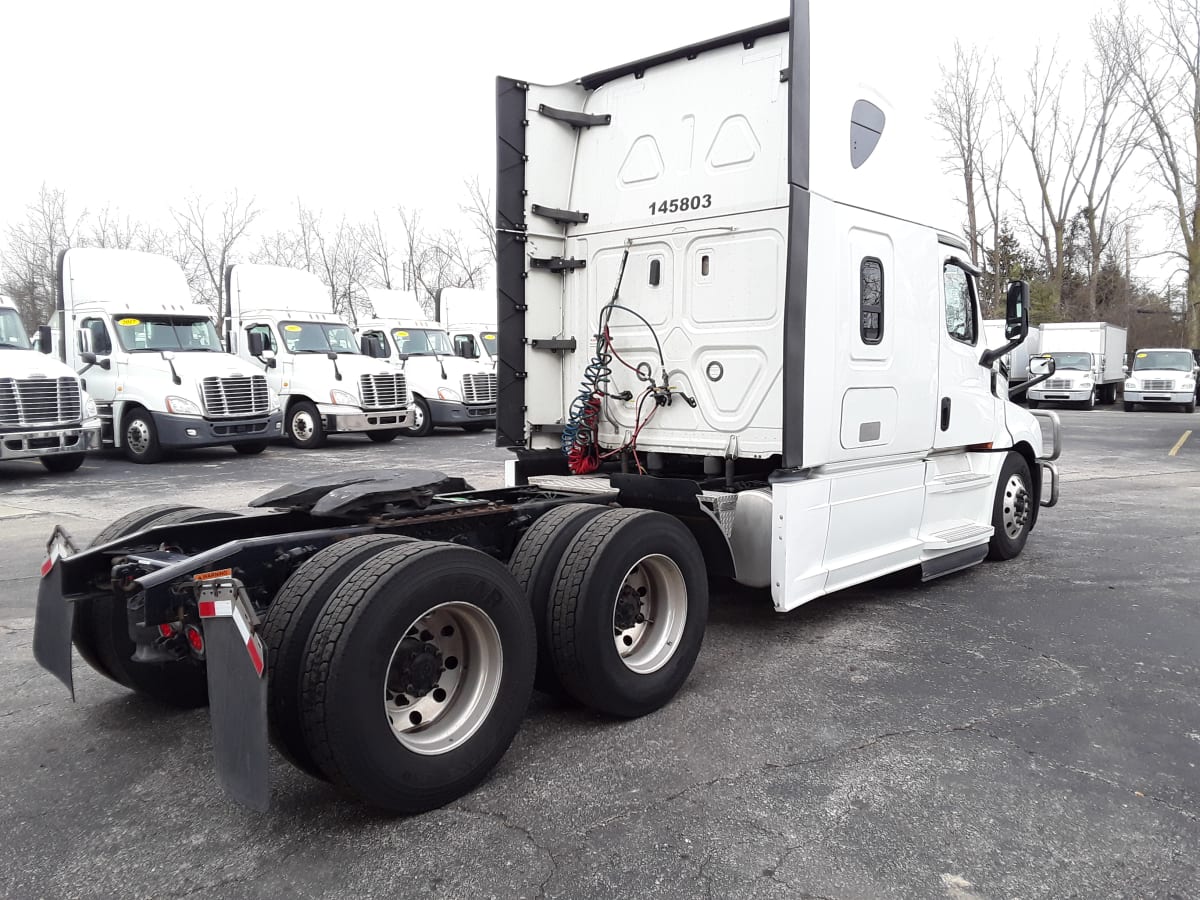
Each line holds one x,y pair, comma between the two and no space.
11,346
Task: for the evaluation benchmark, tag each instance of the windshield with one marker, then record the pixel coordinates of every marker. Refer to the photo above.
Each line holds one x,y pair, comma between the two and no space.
1072,361
1175,360
488,339
12,332
318,337
145,334
422,341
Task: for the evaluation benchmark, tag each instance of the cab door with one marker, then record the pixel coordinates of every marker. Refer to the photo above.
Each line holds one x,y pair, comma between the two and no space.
965,410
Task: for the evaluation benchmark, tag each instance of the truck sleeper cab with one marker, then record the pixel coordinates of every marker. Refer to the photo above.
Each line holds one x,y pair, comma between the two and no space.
44,412
782,380
281,320
1162,377
152,360
447,389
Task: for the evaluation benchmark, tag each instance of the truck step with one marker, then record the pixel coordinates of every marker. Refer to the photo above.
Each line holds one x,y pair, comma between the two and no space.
956,536
591,484
959,481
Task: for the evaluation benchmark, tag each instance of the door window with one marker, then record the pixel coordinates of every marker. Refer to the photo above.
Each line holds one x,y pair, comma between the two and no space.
101,342
268,338
960,304
464,346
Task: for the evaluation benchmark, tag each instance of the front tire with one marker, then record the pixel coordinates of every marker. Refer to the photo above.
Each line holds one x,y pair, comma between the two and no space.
304,426
417,675
1190,406
1130,407
63,462
1090,402
1034,404
1012,511
422,420
473,427
139,438
628,612
384,437
250,448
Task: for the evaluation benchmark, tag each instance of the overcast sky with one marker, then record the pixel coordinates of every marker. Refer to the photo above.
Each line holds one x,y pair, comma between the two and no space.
358,106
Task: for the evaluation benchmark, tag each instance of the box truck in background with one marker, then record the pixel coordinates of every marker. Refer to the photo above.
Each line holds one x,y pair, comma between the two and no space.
44,412
282,321
448,389
1162,377
1017,360
1089,363
152,360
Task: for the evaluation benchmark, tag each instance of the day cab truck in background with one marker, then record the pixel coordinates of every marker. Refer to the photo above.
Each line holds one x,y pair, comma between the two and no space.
469,316
1164,376
151,359
1089,362
782,380
44,412
282,321
447,389
1016,362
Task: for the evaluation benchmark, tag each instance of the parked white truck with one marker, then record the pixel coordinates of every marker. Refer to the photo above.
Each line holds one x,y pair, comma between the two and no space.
1162,376
448,389
1089,362
1016,362
282,321
777,375
151,358
469,316
44,412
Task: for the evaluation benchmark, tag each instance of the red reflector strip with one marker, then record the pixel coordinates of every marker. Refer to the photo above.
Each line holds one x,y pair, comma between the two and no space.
46,567
254,649
214,609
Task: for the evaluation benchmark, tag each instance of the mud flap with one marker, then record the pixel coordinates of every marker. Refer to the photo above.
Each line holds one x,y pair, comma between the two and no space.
237,693
52,628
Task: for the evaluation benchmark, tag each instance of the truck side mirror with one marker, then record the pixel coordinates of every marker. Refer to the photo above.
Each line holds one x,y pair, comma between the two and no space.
92,360
44,338
254,343
1016,319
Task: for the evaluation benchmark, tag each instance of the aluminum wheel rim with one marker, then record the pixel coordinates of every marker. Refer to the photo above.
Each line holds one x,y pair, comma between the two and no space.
1015,506
302,425
418,417
137,436
649,613
459,662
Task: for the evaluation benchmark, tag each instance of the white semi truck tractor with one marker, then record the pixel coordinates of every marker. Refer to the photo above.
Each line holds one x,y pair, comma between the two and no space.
448,389
732,343
152,360
469,315
282,321
44,412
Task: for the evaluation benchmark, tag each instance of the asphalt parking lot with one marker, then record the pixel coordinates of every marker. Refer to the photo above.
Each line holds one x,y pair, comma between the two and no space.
1026,729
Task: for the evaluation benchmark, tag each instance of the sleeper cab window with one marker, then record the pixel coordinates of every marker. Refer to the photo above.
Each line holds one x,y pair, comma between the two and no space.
960,305
870,300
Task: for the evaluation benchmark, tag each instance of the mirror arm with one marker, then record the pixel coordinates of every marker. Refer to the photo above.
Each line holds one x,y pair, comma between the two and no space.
990,356
1016,389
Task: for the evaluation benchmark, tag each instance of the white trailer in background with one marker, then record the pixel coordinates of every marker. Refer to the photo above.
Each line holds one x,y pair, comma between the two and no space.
734,344
1162,377
282,320
44,412
1089,360
1015,361
469,316
152,360
447,389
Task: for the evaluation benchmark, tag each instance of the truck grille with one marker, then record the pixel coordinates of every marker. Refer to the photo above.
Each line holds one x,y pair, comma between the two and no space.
383,391
39,401
1158,384
1058,384
479,388
225,398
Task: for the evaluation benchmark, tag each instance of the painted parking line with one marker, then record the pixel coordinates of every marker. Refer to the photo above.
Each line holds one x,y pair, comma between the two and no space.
1179,443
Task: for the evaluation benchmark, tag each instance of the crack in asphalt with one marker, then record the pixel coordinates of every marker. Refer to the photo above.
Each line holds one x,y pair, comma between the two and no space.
506,822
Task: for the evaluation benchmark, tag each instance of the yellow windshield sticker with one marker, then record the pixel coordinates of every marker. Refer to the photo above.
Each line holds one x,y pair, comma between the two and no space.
1141,356
489,337
400,333
292,328
129,322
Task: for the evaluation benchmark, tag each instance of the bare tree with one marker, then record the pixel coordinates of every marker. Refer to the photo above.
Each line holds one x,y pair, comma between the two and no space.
437,260
1164,81
378,251
108,228
27,272
479,209
1057,151
959,108
212,236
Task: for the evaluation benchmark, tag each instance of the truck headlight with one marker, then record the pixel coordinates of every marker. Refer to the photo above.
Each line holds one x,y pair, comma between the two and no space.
272,400
90,411
1189,384
449,394
182,406
343,398
1131,384
1085,384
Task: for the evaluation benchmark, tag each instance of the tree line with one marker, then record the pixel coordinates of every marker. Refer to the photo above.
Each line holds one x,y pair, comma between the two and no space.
1060,172
397,251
